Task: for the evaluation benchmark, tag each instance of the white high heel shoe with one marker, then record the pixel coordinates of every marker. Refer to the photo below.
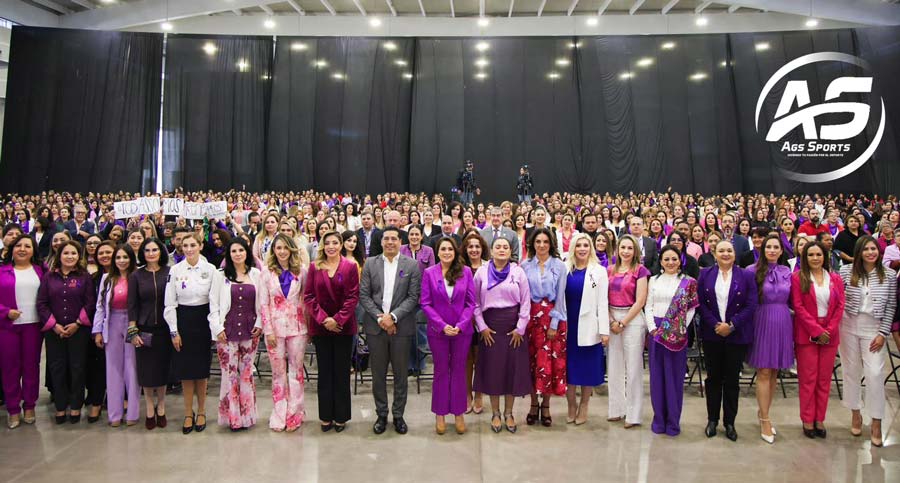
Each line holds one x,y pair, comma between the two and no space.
766,438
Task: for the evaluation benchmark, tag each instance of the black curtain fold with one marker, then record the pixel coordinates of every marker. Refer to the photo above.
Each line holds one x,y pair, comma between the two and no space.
340,117
216,111
82,111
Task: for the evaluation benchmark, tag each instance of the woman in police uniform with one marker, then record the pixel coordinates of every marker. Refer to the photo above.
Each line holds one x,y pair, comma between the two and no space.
188,316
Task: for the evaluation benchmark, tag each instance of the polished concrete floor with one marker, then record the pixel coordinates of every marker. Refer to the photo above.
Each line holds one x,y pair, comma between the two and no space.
597,451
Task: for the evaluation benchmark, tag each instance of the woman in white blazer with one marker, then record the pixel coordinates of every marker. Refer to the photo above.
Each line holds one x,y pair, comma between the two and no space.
587,309
236,326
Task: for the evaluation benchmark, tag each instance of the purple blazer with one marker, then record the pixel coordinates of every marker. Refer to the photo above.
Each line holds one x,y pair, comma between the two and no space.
332,297
425,256
66,300
440,310
742,301
8,292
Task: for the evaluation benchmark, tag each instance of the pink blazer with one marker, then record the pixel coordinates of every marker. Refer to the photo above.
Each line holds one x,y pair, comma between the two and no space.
806,321
442,311
281,316
8,292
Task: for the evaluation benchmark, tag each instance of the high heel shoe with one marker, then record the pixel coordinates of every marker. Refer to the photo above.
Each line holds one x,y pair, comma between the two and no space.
531,419
579,420
74,418
200,427
499,426
512,428
29,419
759,416
571,419
440,427
60,419
877,442
809,433
767,438
856,430
188,428
460,426
546,421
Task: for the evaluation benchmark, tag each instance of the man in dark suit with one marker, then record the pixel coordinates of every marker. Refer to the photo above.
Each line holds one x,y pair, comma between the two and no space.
497,230
80,228
741,245
389,295
252,226
589,224
757,236
728,298
446,232
369,235
649,252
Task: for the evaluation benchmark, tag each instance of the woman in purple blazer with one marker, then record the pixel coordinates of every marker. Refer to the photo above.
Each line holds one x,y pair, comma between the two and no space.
20,328
331,295
728,299
448,300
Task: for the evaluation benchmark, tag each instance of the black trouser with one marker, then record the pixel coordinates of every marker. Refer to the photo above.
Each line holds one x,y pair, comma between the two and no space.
67,361
95,378
393,349
723,370
333,357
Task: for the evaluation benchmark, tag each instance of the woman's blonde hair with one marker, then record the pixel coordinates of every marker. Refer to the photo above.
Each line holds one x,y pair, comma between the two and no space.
320,254
635,260
293,262
262,230
592,254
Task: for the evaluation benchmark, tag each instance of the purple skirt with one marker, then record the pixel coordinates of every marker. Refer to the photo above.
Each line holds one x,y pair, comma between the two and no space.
773,341
502,370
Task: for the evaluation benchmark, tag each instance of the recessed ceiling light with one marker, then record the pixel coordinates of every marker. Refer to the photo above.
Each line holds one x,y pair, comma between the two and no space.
762,46
482,46
592,21
166,26
667,45
407,75
699,76
626,75
390,46
812,23
481,76
645,62
375,22
400,62
242,65
553,75
298,46
210,48
483,22
723,64
320,64
269,23
482,62
702,21
562,62
338,76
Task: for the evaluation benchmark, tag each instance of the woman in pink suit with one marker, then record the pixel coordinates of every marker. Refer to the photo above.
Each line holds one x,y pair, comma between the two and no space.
818,298
448,300
20,328
330,296
280,293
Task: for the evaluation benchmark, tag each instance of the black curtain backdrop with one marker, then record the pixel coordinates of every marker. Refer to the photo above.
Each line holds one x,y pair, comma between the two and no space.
618,114
82,111
215,111
340,117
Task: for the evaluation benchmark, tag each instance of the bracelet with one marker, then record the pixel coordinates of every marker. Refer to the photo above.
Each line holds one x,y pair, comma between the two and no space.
173,334
132,330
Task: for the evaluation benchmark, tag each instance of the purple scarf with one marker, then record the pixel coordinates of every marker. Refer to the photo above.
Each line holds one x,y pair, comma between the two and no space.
604,259
285,280
496,277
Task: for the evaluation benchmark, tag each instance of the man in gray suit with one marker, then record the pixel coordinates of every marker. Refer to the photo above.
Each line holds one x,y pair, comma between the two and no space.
389,294
497,230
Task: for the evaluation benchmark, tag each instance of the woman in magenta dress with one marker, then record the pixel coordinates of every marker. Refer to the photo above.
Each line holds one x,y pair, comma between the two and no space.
773,342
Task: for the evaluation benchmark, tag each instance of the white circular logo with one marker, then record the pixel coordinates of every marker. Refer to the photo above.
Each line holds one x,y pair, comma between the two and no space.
796,93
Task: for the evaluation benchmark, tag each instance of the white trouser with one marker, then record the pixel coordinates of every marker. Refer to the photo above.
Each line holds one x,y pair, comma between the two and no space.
625,369
858,361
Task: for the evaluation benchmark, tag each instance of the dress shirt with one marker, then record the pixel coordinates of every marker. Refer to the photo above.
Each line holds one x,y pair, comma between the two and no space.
189,286
866,306
660,293
448,288
27,285
723,286
550,285
823,295
390,276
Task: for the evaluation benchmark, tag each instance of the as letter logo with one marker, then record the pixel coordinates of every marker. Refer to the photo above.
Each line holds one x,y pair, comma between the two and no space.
796,111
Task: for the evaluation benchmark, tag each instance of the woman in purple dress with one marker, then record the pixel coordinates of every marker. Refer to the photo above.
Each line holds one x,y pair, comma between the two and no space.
773,343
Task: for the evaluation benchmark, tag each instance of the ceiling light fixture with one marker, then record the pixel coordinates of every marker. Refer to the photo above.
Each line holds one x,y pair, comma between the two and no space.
645,62
667,45
482,46
483,22
812,23
269,23
375,22
592,21
702,21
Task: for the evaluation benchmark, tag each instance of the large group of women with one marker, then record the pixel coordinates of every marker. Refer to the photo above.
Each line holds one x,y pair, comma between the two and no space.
541,299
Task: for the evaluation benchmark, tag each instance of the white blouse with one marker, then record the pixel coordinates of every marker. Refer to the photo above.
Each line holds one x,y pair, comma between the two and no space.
823,295
27,285
660,292
722,288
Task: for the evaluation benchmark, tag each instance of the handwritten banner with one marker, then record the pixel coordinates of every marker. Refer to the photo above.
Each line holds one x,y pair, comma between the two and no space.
217,209
173,206
194,211
136,207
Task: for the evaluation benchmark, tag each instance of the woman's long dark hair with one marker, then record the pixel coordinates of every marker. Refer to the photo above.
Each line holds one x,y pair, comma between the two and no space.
554,251
859,267
762,264
35,257
358,254
671,248
456,266
805,275
112,278
230,271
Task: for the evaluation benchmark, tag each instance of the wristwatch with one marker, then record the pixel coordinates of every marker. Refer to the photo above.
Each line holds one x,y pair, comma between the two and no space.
173,334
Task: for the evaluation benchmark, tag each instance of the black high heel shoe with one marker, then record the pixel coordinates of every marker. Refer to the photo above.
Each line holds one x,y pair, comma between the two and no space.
74,418
531,419
61,419
188,429
546,421
200,427
327,427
